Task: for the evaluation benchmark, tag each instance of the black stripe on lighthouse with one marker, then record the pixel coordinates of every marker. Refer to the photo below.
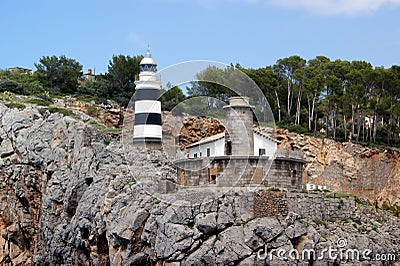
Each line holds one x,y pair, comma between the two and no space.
147,94
148,119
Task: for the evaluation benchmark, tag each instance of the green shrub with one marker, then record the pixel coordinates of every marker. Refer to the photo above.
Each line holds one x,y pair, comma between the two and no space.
319,222
91,110
7,96
45,96
274,189
62,111
37,101
362,229
103,128
19,106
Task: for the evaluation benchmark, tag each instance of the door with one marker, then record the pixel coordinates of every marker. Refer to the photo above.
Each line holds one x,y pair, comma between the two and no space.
182,177
213,175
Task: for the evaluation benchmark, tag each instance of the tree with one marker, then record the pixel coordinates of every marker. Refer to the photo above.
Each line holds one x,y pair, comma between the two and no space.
172,98
268,82
286,68
393,93
122,72
313,86
59,74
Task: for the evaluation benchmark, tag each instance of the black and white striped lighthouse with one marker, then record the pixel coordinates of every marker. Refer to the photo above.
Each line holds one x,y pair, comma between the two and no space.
147,129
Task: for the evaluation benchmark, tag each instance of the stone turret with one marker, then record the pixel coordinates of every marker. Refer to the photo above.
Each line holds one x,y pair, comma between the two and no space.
239,127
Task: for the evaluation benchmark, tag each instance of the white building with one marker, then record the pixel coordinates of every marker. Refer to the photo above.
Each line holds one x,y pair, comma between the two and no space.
215,146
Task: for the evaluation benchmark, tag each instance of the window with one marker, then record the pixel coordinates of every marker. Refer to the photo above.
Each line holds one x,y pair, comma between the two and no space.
200,154
261,151
229,148
208,152
195,155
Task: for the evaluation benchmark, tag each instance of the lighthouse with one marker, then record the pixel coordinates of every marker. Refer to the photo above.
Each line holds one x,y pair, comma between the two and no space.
147,127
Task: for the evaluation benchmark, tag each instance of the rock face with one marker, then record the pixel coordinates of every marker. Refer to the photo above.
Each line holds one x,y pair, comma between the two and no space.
196,128
341,167
72,196
347,167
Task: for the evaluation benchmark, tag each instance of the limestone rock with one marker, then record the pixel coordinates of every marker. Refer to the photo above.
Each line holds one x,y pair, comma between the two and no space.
68,197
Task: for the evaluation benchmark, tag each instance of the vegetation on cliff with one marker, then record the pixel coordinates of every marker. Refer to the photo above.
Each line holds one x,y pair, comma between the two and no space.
337,99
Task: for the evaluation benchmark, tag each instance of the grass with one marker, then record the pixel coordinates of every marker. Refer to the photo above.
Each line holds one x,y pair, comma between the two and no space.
91,110
357,221
395,209
7,96
87,98
339,195
19,106
37,101
319,222
132,183
274,189
62,111
103,128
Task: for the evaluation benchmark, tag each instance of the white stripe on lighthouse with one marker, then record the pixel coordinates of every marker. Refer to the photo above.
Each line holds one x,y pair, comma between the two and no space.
147,106
147,131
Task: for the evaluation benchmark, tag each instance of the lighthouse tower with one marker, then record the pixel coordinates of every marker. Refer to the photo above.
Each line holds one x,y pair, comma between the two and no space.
147,129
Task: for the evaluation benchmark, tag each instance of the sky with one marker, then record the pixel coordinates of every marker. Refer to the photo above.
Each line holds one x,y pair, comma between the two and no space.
253,33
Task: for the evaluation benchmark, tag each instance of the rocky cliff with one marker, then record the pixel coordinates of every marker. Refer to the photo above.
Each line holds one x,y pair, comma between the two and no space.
71,195
342,167
347,167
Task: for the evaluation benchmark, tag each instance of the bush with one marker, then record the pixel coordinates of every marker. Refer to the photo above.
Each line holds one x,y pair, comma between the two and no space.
319,222
37,101
91,110
19,106
9,85
274,189
62,111
45,96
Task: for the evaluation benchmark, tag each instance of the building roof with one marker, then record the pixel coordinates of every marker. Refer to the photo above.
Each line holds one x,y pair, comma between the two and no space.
208,140
263,132
148,60
20,69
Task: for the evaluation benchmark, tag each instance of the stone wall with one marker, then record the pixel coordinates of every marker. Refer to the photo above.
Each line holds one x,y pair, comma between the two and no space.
241,171
268,204
320,207
278,204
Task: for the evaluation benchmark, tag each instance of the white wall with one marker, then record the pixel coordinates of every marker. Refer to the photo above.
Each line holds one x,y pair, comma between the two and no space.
217,148
264,143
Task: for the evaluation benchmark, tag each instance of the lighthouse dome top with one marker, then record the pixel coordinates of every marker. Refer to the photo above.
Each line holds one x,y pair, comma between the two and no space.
148,60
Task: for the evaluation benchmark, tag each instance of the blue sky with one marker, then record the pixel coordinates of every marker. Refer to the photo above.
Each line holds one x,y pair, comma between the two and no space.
254,33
